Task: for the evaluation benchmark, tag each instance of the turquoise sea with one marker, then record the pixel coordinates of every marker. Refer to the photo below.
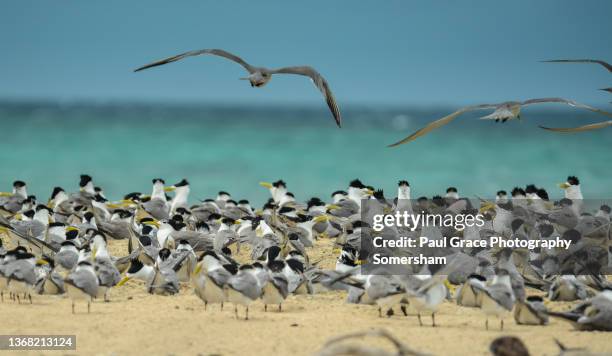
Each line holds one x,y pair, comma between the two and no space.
222,147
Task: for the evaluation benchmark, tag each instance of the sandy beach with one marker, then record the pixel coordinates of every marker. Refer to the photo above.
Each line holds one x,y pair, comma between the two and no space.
136,323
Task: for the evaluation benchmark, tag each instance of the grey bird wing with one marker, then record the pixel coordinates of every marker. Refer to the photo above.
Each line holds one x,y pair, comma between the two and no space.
108,274
246,284
564,101
597,61
599,125
117,230
220,276
85,281
501,294
441,122
21,270
319,82
281,283
216,52
67,259
157,208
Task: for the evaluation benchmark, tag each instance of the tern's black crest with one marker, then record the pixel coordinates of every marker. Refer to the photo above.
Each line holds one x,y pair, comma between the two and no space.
155,180
295,265
56,191
356,184
164,254
605,208
341,192
451,190
517,191
135,266
477,276
279,183
223,193
285,210
501,192
72,234
531,189
276,266
403,183
182,183
542,193
18,184
85,178
243,202
573,180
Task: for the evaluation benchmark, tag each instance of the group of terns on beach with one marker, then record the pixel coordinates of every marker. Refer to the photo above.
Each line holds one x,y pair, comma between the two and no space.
509,110
230,252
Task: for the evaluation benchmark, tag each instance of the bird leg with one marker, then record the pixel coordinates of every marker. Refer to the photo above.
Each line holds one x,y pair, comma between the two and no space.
30,298
221,306
205,304
280,308
420,322
73,307
501,325
236,310
379,312
247,314
390,312
487,324
88,306
433,319
265,307
403,309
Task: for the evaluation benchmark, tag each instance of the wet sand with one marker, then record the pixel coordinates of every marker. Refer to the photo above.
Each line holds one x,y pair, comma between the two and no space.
135,323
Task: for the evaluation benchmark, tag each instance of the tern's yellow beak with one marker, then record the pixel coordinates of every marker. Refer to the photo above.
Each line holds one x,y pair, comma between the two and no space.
369,192
152,222
5,194
123,281
332,207
266,185
169,189
564,185
321,218
198,269
71,228
237,222
41,262
94,251
486,206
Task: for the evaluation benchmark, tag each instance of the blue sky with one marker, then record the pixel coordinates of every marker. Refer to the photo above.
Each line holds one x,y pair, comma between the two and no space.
372,52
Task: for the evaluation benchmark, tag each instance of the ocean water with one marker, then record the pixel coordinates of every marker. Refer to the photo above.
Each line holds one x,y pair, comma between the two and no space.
233,148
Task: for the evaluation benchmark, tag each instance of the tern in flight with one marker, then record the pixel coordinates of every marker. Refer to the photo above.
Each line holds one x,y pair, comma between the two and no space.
503,112
260,76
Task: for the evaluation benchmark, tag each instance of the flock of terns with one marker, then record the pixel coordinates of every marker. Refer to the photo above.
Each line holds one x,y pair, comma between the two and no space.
509,110
62,247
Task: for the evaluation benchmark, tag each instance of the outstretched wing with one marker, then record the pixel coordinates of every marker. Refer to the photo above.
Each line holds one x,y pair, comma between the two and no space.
441,122
597,61
216,52
565,101
590,127
319,82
